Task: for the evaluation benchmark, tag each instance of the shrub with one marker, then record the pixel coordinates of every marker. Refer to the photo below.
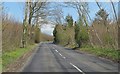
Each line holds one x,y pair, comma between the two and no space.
37,35
64,35
81,35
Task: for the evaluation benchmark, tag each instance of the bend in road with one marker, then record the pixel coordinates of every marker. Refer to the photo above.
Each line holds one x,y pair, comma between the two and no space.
53,58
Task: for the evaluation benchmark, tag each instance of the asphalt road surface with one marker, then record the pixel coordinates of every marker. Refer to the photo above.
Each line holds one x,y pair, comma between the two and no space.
53,58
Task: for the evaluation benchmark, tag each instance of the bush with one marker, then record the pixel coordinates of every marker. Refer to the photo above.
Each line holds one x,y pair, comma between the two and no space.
60,35
37,35
64,35
81,35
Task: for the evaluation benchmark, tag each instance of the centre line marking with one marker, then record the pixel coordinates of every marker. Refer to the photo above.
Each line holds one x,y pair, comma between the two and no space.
64,57
56,50
76,68
60,54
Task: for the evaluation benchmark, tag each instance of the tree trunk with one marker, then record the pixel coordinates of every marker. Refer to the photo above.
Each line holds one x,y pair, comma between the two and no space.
24,38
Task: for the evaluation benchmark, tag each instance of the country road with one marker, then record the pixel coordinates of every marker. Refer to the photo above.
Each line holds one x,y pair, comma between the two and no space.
53,58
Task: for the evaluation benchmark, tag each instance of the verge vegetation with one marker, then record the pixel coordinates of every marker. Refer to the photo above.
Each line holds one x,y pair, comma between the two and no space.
99,38
12,34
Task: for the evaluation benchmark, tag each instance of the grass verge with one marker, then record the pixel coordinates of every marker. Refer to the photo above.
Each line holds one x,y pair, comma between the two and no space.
103,52
10,57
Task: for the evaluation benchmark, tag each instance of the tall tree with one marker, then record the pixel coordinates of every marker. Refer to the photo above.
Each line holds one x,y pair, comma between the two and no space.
78,6
35,7
55,13
25,24
96,33
82,13
113,7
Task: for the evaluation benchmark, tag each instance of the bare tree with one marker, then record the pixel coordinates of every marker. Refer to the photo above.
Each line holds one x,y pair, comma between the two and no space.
78,6
98,4
114,10
56,15
25,24
35,7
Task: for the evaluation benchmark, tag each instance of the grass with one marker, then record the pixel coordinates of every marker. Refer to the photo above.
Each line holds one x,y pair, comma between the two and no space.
0,64
103,52
10,57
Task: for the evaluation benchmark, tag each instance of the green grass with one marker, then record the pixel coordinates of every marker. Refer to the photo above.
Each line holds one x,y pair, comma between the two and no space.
10,57
103,52
0,64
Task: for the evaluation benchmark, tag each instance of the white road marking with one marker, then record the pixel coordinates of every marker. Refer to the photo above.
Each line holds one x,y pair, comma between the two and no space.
77,68
60,54
56,50
64,57
70,63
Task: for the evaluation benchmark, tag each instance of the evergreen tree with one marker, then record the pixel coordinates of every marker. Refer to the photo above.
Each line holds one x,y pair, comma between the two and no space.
69,20
81,35
54,34
37,34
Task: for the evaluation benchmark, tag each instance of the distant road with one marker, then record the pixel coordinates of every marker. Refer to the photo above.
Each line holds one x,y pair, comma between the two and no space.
53,58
